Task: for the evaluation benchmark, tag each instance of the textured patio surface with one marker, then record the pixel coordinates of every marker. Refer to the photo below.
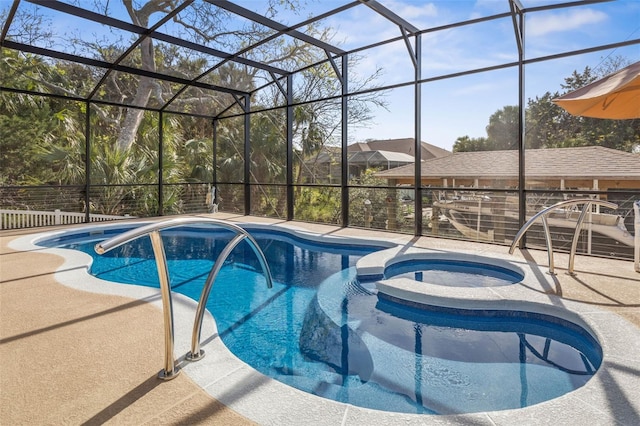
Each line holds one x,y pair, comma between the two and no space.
73,357
69,357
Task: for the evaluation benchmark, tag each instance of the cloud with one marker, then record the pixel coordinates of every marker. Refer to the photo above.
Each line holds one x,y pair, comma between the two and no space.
412,13
491,6
540,25
361,25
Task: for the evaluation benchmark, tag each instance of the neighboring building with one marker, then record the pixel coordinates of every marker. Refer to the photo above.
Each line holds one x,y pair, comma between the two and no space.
381,154
488,215
591,167
404,146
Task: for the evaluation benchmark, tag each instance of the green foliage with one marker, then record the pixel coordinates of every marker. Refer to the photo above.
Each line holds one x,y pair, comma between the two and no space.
317,204
550,126
466,144
385,203
42,139
502,133
502,130
19,134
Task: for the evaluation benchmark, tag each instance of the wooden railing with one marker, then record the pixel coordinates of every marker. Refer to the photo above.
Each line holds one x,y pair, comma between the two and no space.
15,219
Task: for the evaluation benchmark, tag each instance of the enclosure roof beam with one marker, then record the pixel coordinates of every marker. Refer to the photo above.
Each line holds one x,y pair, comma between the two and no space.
516,16
412,53
136,43
335,67
10,15
103,64
281,28
290,32
126,26
388,14
282,89
564,5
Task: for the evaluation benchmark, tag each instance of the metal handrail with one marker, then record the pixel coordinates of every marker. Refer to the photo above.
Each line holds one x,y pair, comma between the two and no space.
574,243
170,369
197,353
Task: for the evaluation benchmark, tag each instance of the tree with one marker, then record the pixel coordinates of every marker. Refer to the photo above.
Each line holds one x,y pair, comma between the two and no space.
466,144
317,124
204,24
502,131
549,126
124,140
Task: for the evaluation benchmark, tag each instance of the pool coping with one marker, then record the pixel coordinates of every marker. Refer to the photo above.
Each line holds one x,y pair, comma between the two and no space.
609,397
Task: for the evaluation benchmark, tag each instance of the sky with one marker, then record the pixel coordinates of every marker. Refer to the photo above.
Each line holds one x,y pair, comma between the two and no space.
452,107
462,106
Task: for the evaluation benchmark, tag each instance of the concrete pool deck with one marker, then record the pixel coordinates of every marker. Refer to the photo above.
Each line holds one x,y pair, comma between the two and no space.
70,356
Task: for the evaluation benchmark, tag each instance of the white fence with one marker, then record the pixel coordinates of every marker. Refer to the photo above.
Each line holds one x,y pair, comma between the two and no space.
14,219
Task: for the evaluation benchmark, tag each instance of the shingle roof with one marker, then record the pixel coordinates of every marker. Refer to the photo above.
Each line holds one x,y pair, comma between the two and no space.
403,145
364,156
593,162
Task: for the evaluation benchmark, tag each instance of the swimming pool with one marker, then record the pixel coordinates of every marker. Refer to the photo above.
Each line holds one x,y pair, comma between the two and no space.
454,273
384,354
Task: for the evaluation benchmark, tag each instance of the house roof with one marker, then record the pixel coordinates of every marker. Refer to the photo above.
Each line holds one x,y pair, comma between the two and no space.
402,145
374,156
363,157
592,162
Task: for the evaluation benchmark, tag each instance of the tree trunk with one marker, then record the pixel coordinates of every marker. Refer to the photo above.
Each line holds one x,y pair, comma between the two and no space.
133,117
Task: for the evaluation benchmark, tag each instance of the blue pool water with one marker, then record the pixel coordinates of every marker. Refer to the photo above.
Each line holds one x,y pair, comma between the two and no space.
320,330
454,273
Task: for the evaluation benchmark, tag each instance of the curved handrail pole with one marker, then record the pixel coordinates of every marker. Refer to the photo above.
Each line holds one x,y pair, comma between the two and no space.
153,230
141,231
197,353
261,259
544,212
528,225
574,242
547,236
170,370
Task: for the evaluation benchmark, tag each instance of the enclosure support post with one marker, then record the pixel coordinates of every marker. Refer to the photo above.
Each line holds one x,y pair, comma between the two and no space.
87,163
289,95
160,164
214,147
418,137
518,22
247,154
344,179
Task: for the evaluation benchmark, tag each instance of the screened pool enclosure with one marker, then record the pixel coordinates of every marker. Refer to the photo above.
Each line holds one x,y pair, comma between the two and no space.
144,108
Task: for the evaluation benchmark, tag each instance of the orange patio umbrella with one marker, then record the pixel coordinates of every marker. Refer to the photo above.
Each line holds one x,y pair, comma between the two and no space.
616,96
